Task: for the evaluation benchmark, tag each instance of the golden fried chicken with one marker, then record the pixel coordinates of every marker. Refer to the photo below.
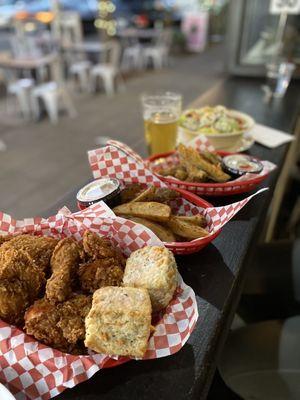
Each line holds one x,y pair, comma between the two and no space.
98,247
64,263
4,239
18,265
100,273
14,300
41,321
72,317
59,326
40,248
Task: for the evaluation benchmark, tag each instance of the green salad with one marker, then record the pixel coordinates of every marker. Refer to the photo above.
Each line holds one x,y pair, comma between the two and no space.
212,120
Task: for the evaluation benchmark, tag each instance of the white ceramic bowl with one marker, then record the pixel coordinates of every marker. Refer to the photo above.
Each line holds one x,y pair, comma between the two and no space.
220,141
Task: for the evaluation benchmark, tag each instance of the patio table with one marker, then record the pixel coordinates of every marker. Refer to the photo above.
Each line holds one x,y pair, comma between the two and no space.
216,273
27,63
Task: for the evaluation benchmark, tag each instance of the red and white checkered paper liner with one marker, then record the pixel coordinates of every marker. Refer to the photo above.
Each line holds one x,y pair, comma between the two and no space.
32,370
117,160
201,143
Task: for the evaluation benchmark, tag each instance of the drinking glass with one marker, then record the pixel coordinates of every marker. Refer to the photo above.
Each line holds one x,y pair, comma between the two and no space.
278,77
161,113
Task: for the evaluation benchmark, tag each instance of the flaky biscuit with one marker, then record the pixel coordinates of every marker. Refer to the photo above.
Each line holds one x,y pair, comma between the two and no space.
153,268
119,321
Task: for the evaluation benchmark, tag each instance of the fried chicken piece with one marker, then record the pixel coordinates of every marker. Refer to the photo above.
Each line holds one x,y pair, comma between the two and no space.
61,326
72,317
18,265
40,248
4,239
14,300
98,247
64,262
41,321
100,273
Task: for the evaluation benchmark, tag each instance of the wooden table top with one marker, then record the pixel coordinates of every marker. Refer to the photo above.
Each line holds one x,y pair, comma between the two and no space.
216,273
26,63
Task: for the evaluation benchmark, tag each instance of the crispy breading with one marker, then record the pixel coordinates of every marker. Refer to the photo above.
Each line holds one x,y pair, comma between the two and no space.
211,157
4,239
101,247
59,326
100,273
64,263
14,300
41,321
18,265
72,316
40,248
195,174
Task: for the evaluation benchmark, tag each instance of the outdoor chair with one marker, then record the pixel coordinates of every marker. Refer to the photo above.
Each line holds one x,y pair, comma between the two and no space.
52,94
20,89
158,53
68,28
109,70
132,56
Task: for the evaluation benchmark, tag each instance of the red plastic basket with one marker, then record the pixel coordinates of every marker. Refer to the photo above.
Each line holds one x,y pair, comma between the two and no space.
208,189
197,244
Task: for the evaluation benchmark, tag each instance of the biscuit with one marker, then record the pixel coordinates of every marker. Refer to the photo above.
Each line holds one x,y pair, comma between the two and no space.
153,268
119,321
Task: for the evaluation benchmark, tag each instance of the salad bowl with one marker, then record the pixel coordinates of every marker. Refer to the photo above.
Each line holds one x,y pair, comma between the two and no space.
223,127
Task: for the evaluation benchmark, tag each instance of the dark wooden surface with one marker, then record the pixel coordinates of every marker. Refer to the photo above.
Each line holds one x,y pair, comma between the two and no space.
216,273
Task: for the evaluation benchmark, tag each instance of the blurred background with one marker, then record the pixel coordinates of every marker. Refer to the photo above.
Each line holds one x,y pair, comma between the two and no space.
72,72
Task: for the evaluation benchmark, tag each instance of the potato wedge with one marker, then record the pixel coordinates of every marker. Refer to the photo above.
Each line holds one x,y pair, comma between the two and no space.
186,229
162,232
146,195
148,209
198,219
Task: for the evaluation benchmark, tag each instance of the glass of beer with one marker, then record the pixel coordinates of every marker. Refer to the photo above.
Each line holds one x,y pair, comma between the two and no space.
161,113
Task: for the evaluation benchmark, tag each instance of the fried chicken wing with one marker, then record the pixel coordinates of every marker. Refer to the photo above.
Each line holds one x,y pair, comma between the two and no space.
40,248
14,300
18,265
59,326
98,247
64,263
100,273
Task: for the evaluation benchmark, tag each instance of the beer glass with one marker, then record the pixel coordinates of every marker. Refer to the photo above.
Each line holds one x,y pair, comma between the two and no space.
161,113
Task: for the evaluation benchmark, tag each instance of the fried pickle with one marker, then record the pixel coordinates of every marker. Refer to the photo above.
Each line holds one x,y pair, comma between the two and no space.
189,156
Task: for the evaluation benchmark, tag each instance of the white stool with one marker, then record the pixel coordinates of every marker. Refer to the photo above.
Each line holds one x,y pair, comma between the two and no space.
21,89
81,70
51,93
